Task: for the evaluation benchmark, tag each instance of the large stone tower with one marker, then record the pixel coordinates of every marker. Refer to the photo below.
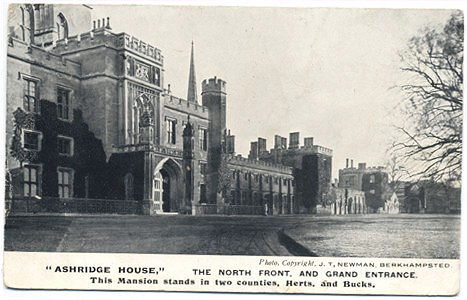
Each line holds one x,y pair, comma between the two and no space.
214,97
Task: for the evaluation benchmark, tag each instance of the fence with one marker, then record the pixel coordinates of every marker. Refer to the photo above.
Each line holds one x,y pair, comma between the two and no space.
72,205
212,209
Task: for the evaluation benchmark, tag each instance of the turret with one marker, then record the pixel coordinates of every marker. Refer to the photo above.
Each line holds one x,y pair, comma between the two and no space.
214,97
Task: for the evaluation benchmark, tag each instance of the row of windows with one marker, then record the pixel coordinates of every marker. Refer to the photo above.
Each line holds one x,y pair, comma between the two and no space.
32,181
171,126
32,140
31,99
242,197
257,177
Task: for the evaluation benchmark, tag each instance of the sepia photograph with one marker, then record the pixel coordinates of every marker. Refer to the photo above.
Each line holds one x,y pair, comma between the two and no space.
237,131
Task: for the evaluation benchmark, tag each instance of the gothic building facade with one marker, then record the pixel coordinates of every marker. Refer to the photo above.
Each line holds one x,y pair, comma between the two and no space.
373,181
88,116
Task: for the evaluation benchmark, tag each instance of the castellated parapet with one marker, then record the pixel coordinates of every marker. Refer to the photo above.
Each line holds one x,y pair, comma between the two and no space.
104,36
185,106
40,57
213,85
258,164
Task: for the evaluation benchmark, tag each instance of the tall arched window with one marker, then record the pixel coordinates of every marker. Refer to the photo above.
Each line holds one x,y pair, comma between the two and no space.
37,16
129,188
62,27
143,118
27,23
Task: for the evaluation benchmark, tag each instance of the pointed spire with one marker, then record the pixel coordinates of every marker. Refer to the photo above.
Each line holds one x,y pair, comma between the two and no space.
192,92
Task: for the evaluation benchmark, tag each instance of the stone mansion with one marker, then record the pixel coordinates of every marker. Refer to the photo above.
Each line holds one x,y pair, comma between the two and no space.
90,117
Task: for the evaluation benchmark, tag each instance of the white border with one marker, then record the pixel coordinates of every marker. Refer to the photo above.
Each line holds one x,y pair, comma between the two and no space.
16,294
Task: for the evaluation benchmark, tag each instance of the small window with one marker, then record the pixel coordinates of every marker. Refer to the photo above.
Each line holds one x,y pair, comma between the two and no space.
171,131
267,179
256,177
31,180
202,168
244,197
232,196
30,96
202,193
246,176
129,186
203,139
63,103
65,145
284,181
276,180
32,140
372,178
65,183
233,174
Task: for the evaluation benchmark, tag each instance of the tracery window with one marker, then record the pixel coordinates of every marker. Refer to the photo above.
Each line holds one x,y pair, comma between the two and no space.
142,123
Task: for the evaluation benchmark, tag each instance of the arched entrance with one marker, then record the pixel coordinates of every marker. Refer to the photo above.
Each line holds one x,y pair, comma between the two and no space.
167,187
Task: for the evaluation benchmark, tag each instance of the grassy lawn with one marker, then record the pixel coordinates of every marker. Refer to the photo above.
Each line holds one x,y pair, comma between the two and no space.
419,236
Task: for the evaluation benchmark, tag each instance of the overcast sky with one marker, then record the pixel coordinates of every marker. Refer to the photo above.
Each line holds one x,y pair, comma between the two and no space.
327,73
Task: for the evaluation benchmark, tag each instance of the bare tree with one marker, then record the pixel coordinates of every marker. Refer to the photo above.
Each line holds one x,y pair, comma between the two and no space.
397,173
432,136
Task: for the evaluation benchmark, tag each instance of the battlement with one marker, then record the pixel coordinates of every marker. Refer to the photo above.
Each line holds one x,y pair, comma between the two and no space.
319,149
376,169
186,106
362,170
258,164
213,85
315,149
100,36
42,57
104,36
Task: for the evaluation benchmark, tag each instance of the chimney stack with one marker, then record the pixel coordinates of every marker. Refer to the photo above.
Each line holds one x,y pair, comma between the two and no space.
262,146
308,142
294,140
277,141
346,163
351,163
253,150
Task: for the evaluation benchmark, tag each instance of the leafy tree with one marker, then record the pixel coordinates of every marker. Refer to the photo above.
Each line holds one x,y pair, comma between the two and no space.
432,135
225,179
